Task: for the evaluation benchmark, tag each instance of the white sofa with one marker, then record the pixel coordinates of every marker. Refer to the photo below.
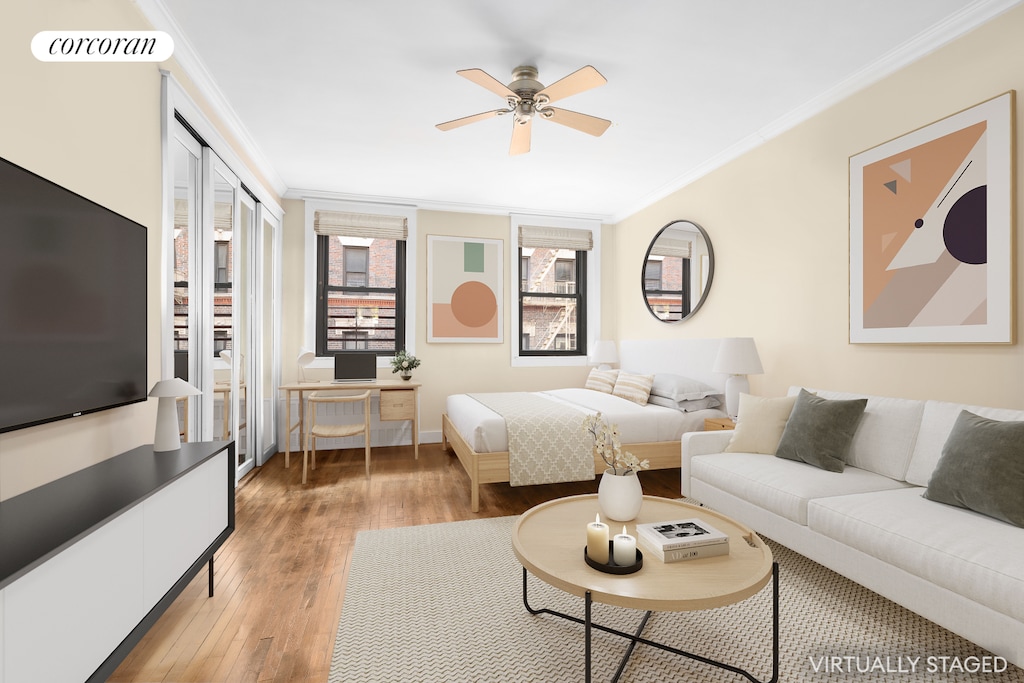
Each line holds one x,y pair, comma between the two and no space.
870,523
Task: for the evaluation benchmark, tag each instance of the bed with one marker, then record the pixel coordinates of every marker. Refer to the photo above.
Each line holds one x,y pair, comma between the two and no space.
477,434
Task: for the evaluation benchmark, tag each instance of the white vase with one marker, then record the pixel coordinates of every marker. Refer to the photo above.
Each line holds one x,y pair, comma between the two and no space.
619,495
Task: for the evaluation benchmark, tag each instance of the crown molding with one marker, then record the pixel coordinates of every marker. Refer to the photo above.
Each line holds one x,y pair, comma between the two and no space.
970,17
195,70
429,205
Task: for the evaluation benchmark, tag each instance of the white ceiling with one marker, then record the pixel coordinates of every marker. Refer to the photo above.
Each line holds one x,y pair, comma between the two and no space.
342,96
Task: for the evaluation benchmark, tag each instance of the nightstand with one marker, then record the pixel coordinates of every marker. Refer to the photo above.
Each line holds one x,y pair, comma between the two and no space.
712,424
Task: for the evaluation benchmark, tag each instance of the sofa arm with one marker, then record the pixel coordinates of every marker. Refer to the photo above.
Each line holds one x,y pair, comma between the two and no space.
700,443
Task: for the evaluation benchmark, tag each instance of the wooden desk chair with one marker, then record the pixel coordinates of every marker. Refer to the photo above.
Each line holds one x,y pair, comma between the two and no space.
334,431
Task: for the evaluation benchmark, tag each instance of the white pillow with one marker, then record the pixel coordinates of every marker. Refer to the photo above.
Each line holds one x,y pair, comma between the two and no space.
601,380
760,424
635,388
685,406
680,388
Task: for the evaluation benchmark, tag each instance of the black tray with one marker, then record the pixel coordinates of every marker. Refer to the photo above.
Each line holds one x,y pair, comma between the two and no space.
611,567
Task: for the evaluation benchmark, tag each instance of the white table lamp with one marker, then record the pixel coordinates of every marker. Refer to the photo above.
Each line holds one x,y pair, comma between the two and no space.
737,357
604,354
167,391
306,358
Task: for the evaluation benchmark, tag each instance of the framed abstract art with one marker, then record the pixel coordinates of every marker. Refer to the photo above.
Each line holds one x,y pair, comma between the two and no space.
931,232
464,289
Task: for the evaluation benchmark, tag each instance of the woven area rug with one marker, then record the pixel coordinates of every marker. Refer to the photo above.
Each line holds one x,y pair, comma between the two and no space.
443,602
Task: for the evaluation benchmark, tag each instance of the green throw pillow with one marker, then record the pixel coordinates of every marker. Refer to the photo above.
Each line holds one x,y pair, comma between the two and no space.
982,468
819,431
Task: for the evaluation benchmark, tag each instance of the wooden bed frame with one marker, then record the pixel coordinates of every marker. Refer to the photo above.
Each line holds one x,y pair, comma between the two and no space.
492,468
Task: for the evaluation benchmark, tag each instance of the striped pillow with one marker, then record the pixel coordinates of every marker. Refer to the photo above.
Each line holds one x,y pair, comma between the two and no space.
635,388
602,380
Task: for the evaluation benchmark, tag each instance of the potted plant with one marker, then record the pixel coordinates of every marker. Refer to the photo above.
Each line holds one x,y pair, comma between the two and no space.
619,494
404,363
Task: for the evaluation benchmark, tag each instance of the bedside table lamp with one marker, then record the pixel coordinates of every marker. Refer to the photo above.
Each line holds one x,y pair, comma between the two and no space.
604,354
168,391
737,357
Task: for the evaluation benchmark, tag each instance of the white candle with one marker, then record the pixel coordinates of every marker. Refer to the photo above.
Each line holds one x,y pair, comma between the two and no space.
624,550
597,541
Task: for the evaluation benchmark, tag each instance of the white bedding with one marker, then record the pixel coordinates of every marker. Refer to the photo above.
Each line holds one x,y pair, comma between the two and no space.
485,432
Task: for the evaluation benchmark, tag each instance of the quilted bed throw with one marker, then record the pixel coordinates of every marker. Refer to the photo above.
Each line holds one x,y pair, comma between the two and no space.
546,441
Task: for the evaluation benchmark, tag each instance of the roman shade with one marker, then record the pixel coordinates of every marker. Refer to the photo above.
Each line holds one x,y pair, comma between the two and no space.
573,239
347,224
667,246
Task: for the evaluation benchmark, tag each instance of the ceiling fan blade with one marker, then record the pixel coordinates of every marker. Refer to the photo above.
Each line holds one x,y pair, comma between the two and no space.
466,120
583,79
591,125
482,78
520,137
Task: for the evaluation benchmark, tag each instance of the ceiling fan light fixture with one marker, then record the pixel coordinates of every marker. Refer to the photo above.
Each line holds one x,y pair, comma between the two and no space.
528,98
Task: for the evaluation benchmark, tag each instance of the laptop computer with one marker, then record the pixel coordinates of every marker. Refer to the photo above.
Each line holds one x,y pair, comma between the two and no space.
355,366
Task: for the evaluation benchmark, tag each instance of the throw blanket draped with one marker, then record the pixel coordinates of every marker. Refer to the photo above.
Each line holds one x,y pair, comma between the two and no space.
546,442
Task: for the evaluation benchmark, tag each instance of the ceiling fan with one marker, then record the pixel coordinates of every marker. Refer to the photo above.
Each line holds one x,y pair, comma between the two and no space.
527,98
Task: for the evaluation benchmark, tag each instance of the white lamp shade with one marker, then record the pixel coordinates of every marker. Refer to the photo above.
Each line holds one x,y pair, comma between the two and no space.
738,356
167,391
305,359
604,353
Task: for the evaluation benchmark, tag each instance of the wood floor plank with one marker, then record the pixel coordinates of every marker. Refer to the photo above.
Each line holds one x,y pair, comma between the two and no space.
280,578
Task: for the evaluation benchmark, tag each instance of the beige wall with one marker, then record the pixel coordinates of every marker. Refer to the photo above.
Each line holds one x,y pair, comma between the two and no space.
95,129
778,219
447,368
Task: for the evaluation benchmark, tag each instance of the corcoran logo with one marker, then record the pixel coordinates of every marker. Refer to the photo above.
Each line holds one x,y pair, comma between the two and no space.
102,46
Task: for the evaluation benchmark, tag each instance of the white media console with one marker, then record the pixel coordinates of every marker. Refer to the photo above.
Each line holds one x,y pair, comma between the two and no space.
89,562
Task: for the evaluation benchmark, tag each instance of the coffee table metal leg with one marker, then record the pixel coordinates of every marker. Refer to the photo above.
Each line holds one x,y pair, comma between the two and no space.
636,637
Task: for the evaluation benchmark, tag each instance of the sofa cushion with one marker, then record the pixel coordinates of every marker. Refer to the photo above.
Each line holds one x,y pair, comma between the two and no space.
819,431
982,468
781,486
936,424
970,554
886,435
760,423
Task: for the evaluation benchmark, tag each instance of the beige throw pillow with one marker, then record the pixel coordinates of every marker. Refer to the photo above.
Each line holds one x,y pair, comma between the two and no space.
760,424
635,388
601,380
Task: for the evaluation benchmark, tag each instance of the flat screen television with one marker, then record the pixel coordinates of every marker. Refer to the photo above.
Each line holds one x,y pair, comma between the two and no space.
72,303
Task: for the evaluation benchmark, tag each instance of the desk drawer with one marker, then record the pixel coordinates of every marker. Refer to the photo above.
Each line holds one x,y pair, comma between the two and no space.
398,404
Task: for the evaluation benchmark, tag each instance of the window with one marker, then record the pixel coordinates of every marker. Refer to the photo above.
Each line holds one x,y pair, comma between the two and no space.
360,284
356,260
552,292
667,286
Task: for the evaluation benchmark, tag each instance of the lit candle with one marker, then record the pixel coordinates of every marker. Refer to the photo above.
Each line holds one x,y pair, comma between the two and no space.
624,549
597,540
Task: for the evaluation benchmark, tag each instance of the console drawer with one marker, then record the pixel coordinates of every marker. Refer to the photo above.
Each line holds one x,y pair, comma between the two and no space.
398,404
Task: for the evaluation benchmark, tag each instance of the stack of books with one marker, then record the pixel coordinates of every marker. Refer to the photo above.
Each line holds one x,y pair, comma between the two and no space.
683,539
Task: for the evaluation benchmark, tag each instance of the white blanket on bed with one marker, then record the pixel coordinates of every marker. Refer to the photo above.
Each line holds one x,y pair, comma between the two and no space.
546,442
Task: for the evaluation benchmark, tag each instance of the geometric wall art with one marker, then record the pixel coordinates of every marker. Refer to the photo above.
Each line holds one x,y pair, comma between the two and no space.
931,232
464,289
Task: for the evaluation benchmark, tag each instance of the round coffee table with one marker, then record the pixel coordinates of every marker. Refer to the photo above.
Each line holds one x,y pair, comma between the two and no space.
548,540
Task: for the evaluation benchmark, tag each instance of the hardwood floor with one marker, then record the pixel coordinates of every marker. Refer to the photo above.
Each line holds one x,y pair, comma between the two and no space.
280,577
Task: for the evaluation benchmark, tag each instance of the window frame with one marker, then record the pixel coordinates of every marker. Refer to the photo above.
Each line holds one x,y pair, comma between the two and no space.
314,203
323,287
580,295
592,284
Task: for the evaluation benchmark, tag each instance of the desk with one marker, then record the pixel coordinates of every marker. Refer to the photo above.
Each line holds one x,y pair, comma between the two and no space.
399,400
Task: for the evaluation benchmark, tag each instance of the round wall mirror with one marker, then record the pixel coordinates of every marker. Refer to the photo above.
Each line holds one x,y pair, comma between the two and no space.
677,271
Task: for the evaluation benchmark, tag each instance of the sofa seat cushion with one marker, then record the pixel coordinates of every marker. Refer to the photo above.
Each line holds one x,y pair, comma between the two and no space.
965,552
782,486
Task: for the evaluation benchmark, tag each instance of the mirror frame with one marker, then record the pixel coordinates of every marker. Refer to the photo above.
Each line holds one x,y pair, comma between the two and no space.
710,278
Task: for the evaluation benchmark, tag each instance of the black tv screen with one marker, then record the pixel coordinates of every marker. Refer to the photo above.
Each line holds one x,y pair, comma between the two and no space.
72,303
